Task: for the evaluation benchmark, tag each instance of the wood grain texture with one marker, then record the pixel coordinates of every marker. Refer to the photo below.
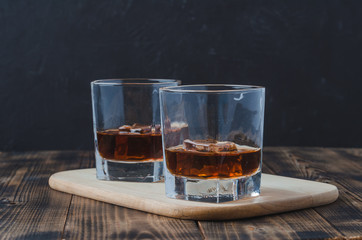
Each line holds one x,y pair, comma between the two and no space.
89,219
330,166
279,194
29,209
337,220
294,225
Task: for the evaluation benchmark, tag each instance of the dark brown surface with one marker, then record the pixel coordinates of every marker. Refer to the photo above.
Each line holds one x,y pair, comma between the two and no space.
29,209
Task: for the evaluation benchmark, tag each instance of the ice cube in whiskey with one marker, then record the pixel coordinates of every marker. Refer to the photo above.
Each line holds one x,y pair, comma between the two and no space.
131,143
211,159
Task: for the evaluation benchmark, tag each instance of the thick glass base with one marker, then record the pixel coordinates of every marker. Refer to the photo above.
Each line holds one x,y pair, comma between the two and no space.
128,171
212,190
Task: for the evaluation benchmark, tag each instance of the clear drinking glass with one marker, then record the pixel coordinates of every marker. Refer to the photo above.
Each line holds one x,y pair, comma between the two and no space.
126,123
212,141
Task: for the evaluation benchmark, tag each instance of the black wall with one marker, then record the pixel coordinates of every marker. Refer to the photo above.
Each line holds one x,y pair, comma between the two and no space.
308,54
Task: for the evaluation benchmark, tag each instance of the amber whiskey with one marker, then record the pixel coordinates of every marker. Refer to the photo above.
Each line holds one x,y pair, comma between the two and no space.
131,143
212,160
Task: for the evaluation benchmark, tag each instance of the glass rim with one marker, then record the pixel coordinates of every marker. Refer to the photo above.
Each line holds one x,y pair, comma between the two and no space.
133,81
233,88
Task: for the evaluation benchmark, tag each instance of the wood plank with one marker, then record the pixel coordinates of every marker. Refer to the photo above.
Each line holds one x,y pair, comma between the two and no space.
89,219
305,224
352,184
343,170
279,194
29,209
293,225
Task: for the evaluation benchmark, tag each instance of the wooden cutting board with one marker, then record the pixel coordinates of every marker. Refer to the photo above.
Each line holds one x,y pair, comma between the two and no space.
278,194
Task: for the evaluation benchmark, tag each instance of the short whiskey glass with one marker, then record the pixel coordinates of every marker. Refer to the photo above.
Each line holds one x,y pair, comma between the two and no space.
127,132
212,141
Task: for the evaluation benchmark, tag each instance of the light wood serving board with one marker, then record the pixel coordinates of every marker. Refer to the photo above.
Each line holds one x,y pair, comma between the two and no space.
278,194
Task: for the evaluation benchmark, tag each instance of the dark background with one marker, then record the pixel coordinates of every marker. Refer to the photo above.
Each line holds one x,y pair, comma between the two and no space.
307,54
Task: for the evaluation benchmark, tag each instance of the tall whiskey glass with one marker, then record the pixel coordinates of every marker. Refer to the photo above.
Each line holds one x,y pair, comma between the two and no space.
212,141
127,134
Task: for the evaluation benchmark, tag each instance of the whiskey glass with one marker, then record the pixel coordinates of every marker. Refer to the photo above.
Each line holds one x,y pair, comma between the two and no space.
212,141
126,124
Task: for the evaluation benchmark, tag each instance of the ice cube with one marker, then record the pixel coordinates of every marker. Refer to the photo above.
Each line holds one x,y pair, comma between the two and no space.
125,128
139,128
209,145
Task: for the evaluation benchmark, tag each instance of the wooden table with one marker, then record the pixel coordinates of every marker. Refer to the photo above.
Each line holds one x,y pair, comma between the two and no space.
29,209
